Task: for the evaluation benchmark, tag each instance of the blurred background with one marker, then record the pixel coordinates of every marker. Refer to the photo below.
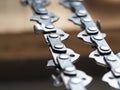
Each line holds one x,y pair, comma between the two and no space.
23,56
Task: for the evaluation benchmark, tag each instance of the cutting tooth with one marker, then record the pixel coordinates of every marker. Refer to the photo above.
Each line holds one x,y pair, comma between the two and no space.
50,63
83,35
111,80
74,56
98,58
75,19
54,18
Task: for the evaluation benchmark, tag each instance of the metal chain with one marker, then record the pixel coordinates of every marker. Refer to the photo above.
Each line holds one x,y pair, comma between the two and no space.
63,57
92,35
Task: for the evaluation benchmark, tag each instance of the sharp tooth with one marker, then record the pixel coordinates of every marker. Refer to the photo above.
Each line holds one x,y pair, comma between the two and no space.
111,80
50,63
99,59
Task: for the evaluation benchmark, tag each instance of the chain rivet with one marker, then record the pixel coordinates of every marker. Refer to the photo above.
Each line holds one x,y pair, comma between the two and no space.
111,58
81,12
98,37
41,9
87,19
45,17
63,56
117,70
76,3
59,46
92,28
49,26
75,80
70,68
53,35
104,48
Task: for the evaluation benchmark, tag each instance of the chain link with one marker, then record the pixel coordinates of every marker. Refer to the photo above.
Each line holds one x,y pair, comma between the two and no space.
63,57
91,34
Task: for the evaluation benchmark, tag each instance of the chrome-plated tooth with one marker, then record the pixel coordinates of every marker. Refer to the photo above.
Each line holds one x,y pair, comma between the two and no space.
50,63
85,37
62,34
75,19
98,58
111,80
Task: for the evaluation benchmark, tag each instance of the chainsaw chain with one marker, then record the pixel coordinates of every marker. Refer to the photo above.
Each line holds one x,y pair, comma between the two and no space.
63,57
92,35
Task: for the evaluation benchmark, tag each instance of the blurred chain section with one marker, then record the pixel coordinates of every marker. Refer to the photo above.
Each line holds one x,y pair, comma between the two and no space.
92,35
63,57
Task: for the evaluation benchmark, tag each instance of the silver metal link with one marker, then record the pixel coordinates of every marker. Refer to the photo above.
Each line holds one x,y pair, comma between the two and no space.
92,35
63,58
